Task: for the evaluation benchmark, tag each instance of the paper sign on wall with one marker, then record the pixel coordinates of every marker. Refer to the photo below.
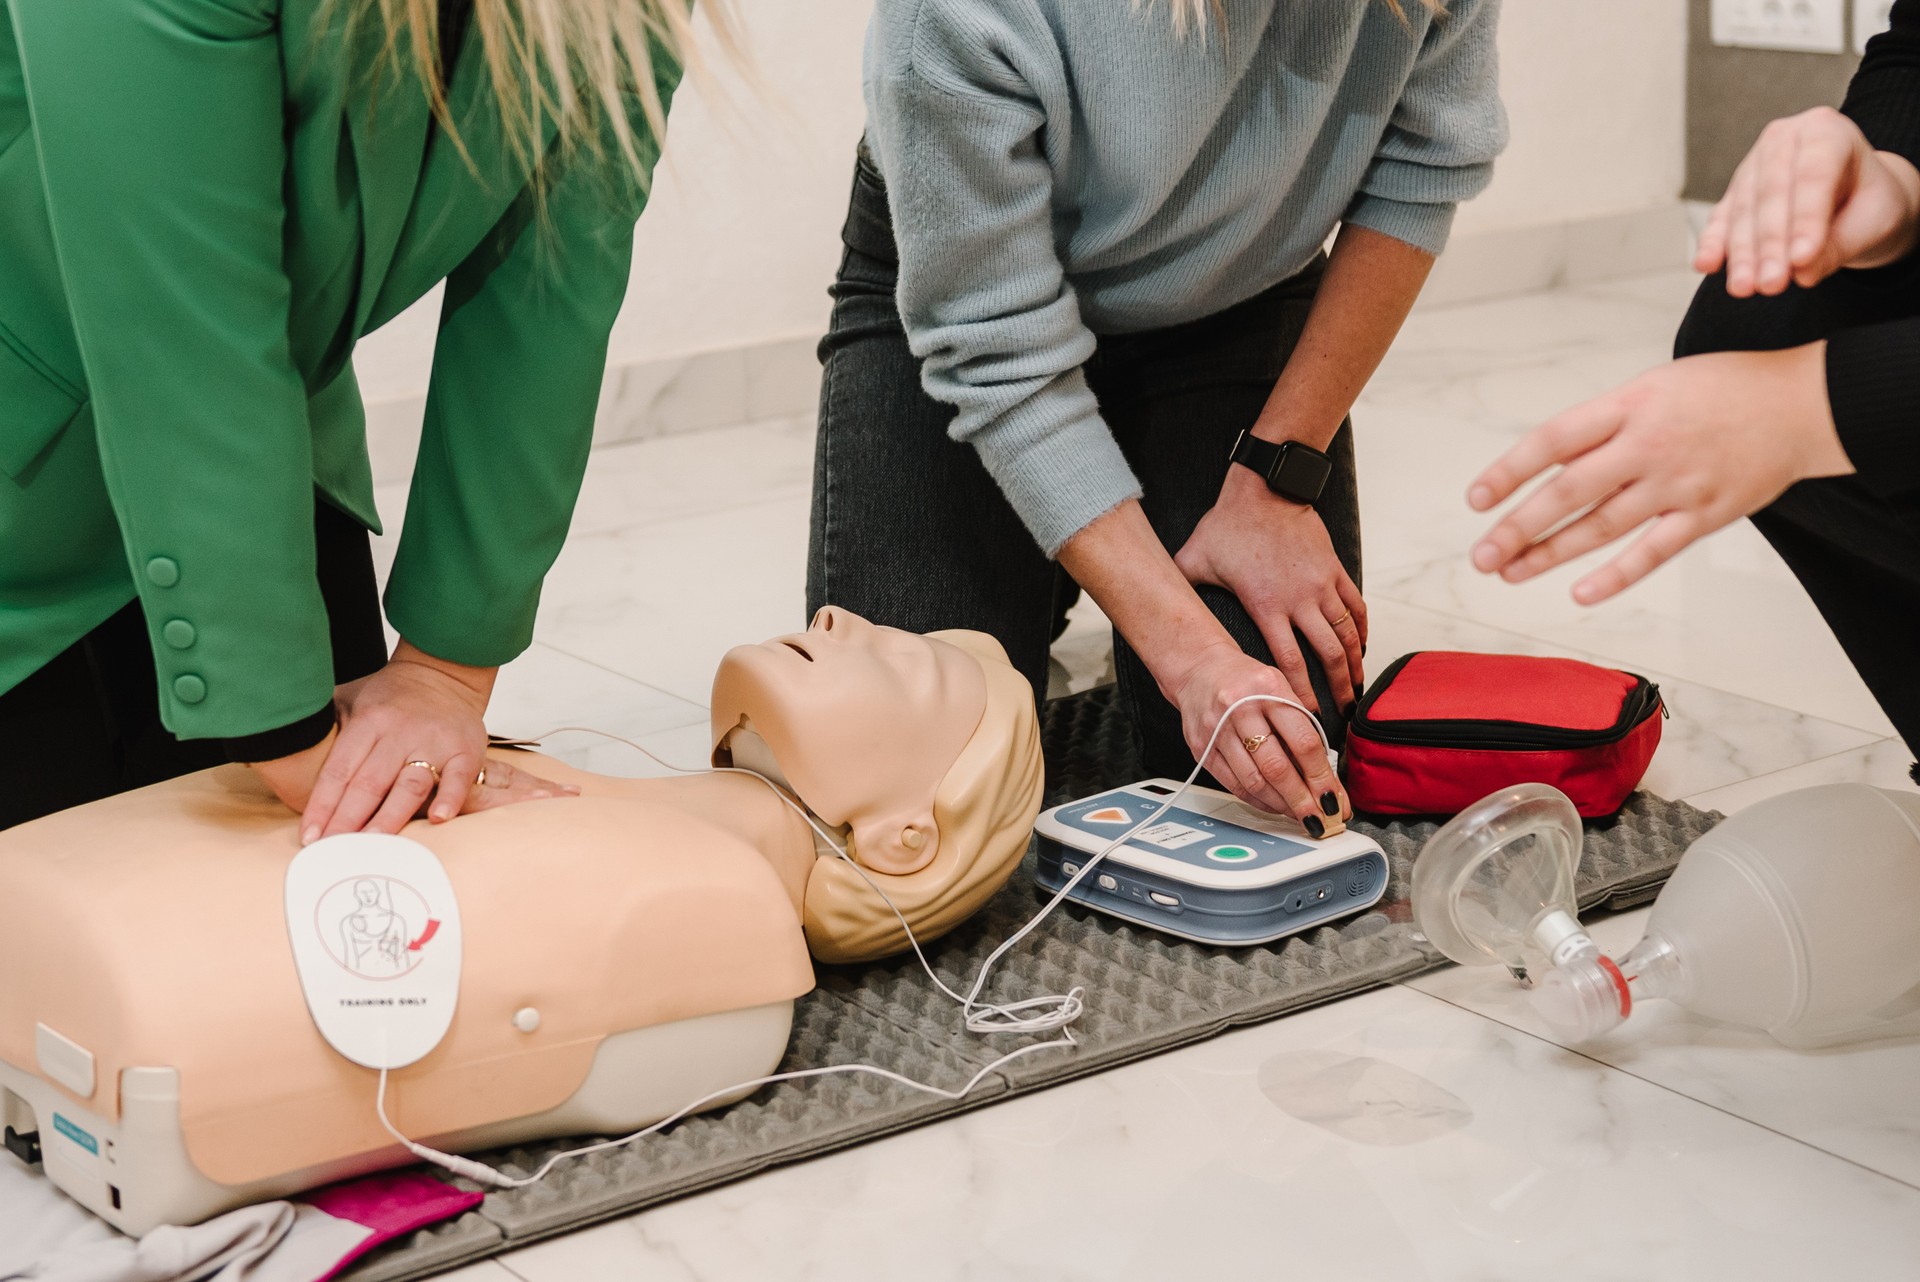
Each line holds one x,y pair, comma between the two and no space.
1810,26
1870,18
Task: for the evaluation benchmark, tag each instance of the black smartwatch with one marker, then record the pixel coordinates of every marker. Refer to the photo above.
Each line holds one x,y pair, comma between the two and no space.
1290,469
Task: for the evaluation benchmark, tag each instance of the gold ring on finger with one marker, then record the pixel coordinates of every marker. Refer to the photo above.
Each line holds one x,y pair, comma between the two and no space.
427,766
1252,744
1342,619
480,780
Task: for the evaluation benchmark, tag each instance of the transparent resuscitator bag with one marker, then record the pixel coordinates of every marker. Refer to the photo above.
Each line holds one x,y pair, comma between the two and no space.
1799,916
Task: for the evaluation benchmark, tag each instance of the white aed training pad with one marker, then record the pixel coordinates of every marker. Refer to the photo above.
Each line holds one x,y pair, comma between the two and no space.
375,931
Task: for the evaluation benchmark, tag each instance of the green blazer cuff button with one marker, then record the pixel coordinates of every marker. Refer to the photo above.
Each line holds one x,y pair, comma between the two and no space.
162,572
179,633
188,688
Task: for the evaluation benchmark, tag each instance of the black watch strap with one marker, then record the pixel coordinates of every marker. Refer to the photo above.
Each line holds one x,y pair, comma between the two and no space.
1291,470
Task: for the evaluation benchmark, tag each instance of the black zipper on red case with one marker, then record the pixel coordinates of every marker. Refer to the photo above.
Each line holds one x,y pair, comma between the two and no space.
1641,702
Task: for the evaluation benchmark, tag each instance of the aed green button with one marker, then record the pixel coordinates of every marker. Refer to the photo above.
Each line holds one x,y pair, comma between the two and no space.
179,633
163,572
188,688
1232,854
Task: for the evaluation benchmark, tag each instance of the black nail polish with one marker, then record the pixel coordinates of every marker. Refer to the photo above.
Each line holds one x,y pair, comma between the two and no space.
1314,827
1329,804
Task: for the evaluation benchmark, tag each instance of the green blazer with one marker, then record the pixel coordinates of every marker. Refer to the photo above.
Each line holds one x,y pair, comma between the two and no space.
203,204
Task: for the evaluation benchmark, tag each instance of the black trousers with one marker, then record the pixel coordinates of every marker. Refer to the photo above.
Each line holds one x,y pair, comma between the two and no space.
909,529
1856,553
87,725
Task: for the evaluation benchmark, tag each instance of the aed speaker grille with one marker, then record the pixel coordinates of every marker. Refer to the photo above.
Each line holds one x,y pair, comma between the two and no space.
1360,880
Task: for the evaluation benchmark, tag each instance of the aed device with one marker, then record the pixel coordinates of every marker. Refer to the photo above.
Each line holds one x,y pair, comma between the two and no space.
1211,869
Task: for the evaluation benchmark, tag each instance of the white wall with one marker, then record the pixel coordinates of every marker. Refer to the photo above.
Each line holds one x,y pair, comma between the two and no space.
741,238
742,235
1596,94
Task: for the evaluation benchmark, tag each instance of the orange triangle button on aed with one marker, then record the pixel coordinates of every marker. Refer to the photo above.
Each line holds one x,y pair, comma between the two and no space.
1109,815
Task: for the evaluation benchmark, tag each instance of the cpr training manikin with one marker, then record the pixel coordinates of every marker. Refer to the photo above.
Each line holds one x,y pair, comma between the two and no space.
623,952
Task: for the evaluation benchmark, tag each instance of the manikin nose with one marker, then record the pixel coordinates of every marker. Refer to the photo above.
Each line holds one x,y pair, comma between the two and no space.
833,619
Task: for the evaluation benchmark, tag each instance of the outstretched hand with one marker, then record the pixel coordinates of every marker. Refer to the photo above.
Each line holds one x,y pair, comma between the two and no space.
1811,197
1682,450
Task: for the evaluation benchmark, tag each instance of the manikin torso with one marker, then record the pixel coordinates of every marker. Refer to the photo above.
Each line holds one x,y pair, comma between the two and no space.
638,903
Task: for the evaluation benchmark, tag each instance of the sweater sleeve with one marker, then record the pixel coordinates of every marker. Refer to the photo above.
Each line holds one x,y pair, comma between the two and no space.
1445,131
984,298
1871,384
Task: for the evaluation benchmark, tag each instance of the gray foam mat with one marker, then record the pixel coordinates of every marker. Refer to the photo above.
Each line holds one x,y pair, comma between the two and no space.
1144,993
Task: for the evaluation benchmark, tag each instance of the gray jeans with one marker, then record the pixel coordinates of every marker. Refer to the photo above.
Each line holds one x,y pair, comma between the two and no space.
909,530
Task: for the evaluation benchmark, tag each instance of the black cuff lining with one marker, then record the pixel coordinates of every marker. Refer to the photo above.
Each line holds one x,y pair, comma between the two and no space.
269,745
1874,390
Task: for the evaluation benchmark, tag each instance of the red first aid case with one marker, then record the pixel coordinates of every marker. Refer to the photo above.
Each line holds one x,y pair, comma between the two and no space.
1441,729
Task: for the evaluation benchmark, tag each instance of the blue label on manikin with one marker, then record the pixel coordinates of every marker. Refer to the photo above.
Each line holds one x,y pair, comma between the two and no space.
78,1136
1180,834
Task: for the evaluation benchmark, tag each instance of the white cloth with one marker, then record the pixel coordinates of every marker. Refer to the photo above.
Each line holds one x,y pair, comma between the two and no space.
47,1237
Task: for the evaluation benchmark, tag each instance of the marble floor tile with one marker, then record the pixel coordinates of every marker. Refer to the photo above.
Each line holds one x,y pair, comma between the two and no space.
669,477
484,1271
1711,739
1857,1103
1885,763
660,753
545,688
1082,656
1723,613
663,601
1392,1135
664,478
1668,293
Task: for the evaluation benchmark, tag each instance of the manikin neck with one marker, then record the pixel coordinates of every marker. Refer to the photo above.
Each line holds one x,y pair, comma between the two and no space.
746,750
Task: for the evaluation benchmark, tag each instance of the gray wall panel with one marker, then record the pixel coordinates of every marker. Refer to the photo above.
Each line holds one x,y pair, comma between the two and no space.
1733,93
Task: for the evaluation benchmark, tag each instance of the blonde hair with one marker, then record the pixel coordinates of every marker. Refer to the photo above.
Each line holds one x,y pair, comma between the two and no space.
575,66
984,808
1202,15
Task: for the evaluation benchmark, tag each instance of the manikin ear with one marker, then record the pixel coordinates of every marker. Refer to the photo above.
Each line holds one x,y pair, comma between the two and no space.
895,844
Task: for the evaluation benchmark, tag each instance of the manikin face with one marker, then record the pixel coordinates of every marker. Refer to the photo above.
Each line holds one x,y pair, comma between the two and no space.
865,722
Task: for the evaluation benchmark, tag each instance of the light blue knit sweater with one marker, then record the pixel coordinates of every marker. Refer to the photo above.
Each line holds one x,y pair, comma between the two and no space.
1064,168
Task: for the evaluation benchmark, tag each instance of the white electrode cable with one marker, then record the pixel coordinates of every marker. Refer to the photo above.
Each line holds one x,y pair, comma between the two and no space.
1057,1011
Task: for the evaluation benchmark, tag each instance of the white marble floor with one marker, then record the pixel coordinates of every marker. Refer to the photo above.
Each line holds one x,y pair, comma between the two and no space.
1432,1130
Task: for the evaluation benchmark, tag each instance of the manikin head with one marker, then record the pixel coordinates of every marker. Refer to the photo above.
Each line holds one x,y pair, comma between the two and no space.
924,749
366,893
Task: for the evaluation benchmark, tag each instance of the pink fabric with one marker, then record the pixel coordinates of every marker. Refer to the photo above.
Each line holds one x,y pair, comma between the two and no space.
390,1206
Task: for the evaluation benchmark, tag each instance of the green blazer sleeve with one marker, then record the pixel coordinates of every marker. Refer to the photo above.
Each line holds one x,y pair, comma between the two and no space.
159,127
517,368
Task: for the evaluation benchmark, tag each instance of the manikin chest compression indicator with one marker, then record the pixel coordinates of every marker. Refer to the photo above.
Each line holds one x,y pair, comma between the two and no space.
1047,1014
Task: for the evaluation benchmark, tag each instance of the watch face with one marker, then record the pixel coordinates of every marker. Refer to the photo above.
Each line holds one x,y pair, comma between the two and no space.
1302,473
